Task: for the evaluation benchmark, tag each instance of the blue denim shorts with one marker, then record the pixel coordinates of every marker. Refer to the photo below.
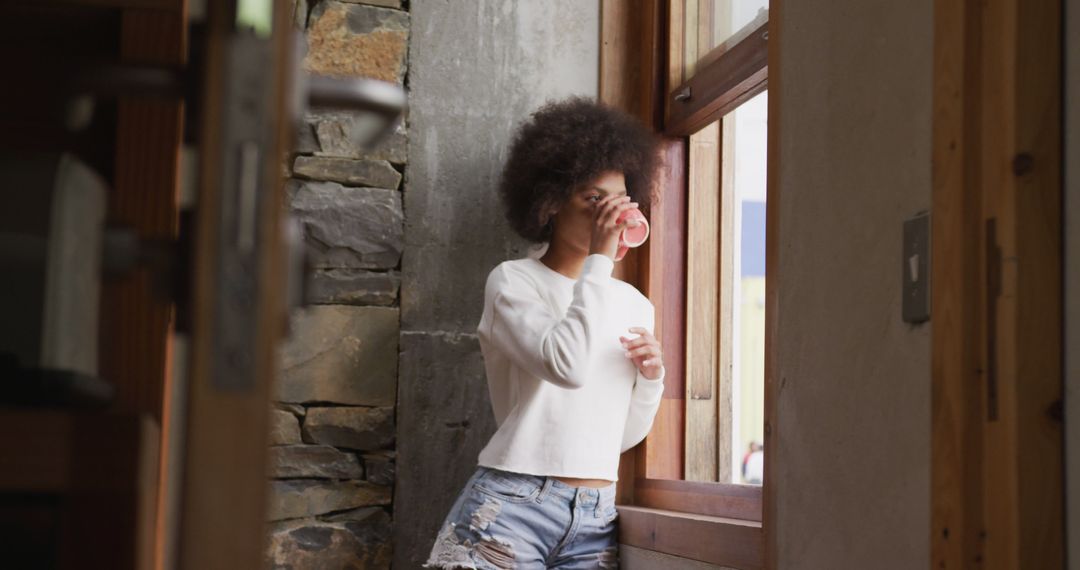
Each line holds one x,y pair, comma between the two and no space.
505,520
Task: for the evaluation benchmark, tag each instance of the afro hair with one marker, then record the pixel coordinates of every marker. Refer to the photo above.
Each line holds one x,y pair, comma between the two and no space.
565,145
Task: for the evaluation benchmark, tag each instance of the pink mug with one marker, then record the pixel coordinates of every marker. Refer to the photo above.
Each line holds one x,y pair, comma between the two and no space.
632,236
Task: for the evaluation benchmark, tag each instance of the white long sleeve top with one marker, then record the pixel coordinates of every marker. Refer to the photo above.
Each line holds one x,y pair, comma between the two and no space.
566,399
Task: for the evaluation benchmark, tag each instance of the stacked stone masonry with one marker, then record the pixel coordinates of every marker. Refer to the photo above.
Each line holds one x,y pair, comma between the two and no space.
332,455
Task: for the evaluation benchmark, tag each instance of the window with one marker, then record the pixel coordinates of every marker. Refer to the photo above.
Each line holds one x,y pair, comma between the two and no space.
712,27
697,70
708,264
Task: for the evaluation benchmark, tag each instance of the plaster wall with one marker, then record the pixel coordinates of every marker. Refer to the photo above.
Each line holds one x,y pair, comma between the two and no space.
853,481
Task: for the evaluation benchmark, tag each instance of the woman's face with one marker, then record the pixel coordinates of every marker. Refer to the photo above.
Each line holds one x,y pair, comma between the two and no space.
574,221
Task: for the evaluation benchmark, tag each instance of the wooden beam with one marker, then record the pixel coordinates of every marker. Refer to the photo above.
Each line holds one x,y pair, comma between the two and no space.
632,77
661,454
620,84
1022,191
716,499
630,80
166,5
956,448
773,189
719,87
717,540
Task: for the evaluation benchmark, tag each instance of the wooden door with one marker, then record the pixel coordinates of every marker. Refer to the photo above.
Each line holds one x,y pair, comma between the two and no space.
238,312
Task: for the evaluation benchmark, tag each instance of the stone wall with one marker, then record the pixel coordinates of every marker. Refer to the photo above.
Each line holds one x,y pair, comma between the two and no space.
382,396
333,426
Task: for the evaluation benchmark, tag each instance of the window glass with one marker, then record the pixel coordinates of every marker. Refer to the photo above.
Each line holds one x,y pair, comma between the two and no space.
746,133
713,26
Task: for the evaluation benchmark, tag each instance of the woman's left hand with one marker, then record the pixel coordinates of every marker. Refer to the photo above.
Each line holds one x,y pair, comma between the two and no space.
645,352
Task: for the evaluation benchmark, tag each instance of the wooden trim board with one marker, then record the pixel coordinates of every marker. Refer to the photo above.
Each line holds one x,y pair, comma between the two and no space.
997,466
769,510
720,86
706,392
715,499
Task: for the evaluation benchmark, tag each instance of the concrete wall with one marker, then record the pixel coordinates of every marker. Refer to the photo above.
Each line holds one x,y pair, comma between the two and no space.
854,400
476,69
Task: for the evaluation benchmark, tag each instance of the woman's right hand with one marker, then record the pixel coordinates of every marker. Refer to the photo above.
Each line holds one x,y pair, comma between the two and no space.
606,230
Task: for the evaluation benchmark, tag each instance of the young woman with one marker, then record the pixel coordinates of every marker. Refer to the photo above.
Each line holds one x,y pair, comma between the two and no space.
574,372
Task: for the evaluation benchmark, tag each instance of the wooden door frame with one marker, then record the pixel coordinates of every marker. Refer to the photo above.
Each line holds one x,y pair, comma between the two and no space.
996,266
223,505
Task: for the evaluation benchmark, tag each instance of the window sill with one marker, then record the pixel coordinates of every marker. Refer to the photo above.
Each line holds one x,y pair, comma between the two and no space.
722,541
725,500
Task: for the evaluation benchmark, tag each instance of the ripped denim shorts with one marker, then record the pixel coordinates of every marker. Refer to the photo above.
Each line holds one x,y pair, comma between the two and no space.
505,520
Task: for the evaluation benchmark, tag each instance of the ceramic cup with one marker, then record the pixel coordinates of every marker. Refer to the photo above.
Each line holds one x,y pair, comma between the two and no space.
632,237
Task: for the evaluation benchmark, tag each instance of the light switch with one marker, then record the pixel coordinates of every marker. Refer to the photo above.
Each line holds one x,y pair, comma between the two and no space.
916,264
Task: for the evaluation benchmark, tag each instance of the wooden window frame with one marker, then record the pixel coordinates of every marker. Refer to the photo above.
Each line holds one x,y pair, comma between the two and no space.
720,86
659,508
717,88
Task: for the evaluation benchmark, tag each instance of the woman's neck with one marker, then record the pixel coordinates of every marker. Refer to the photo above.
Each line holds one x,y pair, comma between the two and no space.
564,260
